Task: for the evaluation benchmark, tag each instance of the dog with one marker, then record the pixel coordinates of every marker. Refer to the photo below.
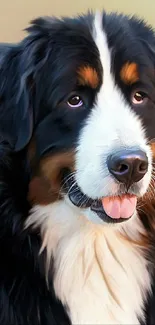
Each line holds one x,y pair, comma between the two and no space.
77,202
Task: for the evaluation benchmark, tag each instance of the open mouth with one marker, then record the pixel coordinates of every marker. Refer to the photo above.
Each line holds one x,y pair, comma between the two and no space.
114,209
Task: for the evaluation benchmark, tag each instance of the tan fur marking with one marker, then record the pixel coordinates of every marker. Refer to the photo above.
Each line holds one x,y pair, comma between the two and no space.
129,73
147,213
87,76
45,187
152,145
51,166
39,191
146,205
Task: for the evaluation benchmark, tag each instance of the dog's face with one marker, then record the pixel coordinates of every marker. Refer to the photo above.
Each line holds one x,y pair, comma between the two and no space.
95,115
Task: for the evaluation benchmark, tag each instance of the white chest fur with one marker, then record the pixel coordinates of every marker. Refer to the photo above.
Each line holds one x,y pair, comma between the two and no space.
100,276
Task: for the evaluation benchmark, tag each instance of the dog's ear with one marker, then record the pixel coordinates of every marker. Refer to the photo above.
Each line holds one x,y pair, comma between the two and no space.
15,113
19,65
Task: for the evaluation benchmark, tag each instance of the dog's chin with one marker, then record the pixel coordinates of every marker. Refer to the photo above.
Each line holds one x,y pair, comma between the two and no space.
94,208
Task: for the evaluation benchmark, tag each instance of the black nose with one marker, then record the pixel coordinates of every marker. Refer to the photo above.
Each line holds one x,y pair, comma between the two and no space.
128,167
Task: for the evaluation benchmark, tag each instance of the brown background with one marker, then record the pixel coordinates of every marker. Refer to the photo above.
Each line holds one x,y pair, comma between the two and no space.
16,14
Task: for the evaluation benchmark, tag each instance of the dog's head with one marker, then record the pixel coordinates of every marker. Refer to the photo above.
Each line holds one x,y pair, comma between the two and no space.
82,97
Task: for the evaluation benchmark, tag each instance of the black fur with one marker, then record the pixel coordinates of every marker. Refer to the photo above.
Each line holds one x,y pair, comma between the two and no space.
36,77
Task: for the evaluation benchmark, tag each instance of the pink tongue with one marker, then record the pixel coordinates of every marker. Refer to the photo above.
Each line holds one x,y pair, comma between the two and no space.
116,207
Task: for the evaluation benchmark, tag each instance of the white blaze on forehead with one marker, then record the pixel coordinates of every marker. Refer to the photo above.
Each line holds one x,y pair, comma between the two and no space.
110,96
104,52
115,115
110,101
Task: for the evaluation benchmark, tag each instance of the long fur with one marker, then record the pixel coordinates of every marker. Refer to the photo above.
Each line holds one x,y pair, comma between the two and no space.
61,264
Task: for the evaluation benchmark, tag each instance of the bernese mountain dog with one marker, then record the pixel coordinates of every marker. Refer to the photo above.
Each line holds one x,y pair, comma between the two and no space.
77,200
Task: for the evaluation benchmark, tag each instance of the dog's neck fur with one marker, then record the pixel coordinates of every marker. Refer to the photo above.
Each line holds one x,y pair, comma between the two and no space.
99,274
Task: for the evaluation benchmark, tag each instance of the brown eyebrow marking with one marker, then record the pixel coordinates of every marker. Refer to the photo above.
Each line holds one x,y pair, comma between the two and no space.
88,76
152,145
129,73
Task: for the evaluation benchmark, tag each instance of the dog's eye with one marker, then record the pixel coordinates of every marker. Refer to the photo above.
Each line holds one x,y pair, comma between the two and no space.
139,97
75,101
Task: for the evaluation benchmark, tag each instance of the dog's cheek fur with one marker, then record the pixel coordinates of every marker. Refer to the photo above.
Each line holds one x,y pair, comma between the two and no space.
46,185
146,204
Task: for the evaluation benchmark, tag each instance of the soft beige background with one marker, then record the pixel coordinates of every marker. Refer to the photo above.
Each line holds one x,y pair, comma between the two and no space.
16,14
